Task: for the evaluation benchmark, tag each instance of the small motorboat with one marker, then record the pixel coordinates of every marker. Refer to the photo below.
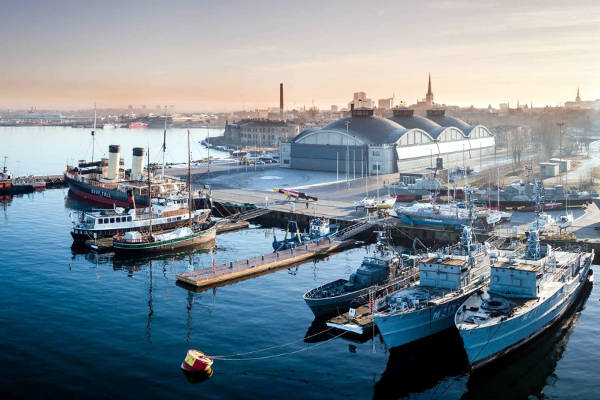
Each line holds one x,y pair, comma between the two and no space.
493,218
196,361
385,203
365,203
565,221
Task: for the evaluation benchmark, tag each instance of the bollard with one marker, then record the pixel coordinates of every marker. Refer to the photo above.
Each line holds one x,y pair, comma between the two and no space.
247,261
263,258
306,247
277,254
317,242
230,264
292,251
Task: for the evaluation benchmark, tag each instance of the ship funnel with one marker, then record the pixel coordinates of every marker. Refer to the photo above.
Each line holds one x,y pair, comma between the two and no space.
137,164
114,151
104,165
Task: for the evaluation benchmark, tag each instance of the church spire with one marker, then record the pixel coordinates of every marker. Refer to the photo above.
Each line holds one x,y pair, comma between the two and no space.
429,95
578,98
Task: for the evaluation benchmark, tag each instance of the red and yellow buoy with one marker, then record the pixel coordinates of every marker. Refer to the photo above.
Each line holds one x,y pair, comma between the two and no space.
197,361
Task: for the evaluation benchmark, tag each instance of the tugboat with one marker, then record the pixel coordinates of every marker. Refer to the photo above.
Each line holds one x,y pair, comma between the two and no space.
528,292
446,279
318,228
10,186
194,234
385,271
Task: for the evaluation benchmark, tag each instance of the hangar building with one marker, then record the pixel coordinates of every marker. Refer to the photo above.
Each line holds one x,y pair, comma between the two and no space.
403,142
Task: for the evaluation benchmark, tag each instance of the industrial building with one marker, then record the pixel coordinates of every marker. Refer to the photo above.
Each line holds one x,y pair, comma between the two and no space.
400,143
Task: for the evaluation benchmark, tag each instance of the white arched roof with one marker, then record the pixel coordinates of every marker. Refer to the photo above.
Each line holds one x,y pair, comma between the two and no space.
414,137
330,137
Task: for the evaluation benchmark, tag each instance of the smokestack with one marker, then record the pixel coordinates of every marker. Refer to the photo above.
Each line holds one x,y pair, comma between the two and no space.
104,164
137,164
114,150
281,100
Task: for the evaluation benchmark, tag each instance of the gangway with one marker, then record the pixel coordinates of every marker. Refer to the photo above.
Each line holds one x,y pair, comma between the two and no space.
352,230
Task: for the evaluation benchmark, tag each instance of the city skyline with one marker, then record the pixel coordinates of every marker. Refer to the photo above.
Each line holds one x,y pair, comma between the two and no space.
230,56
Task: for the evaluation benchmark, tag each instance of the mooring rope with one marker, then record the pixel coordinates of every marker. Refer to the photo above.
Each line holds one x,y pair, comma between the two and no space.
273,347
231,358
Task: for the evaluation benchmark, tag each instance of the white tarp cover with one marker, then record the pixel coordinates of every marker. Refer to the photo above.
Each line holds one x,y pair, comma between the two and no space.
178,233
133,235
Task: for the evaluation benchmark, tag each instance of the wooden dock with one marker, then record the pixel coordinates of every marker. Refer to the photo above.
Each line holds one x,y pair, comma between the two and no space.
234,270
230,226
360,324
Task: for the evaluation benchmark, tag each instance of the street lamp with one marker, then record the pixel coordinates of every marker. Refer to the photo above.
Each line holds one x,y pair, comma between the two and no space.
560,128
347,155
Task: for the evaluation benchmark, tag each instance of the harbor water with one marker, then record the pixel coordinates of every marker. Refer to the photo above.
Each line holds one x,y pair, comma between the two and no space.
79,324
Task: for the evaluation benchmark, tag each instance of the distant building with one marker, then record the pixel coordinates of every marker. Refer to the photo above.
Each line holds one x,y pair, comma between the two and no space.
360,100
260,132
427,102
385,104
583,104
334,108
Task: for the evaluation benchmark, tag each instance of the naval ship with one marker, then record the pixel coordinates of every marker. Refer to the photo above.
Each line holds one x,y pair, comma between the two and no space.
383,272
423,188
446,279
528,292
522,195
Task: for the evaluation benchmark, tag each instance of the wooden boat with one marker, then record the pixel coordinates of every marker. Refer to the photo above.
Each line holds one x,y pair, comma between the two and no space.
195,233
137,242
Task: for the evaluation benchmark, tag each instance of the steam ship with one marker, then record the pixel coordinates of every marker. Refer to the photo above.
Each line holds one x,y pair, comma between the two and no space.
104,182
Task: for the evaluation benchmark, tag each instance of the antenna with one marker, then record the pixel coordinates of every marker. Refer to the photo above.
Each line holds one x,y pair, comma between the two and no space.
94,133
149,193
164,146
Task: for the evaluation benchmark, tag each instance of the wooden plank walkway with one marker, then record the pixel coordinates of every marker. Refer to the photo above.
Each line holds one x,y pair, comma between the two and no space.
235,270
360,324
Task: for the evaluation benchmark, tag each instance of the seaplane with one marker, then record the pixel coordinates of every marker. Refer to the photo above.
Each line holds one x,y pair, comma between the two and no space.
295,194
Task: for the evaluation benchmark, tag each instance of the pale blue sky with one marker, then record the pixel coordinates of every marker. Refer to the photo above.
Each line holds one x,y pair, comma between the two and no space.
227,54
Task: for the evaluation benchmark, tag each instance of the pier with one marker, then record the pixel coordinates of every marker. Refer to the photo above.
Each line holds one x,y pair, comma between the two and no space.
235,270
360,324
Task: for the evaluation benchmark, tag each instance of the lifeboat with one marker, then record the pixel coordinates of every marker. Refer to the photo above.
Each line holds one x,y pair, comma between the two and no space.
196,361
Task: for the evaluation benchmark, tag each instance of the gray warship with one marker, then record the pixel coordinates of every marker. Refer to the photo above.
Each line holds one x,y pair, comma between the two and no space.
385,271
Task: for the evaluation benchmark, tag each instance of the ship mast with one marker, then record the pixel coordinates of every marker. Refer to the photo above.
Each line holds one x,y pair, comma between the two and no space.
94,133
189,181
149,193
164,146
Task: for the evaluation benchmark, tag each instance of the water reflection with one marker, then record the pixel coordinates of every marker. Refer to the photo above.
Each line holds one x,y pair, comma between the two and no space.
420,366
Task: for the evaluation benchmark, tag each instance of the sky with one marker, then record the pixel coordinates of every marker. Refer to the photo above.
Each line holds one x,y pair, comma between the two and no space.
229,55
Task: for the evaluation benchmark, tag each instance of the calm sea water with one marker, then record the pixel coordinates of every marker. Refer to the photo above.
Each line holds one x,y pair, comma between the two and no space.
95,326
46,150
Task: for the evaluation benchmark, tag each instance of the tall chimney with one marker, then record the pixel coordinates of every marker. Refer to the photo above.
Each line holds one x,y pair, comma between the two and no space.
281,100
114,151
